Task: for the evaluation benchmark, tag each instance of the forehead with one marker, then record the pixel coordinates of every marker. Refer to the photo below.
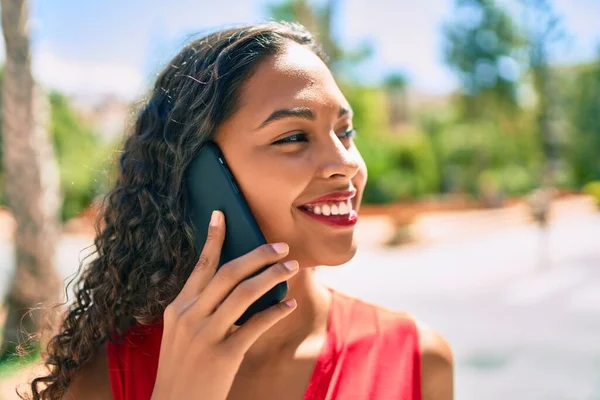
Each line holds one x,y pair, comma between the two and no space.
295,77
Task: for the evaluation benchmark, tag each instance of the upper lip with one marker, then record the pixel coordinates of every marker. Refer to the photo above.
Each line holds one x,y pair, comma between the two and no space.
334,196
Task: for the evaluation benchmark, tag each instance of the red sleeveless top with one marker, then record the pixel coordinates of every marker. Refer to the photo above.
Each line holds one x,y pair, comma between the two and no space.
371,353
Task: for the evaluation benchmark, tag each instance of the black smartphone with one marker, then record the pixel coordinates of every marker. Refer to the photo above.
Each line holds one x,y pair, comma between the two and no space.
211,186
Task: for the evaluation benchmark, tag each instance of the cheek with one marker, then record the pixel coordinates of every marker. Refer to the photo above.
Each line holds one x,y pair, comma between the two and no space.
270,184
271,187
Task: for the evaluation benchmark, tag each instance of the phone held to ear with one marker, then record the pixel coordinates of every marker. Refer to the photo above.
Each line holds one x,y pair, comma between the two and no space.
211,186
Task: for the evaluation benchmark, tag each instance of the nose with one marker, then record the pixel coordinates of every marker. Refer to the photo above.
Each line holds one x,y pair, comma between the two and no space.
337,161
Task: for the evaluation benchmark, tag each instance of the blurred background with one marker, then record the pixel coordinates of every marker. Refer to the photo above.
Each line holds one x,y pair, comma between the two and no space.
479,121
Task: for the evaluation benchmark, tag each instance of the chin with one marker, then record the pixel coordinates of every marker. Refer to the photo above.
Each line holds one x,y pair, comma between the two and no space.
333,257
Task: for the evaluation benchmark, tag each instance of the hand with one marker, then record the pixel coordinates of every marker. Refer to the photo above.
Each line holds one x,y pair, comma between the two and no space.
200,351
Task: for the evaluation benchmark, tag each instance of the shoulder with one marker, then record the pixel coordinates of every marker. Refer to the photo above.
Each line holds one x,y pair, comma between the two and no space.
374,316
437,364
91,381
431,349
374,321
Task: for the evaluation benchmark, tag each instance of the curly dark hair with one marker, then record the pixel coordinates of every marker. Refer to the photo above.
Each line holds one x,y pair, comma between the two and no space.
144,249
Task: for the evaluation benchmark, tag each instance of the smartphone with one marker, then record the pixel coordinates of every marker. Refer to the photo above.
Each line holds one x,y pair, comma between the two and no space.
211,186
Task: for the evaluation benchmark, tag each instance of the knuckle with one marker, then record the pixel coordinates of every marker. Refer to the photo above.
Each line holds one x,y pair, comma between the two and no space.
247,288
170,314
258,319
228,350
227,272
188,325
224,350
203,262
212,233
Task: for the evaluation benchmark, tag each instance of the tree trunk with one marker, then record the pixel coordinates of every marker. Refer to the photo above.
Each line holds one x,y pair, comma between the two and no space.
31,183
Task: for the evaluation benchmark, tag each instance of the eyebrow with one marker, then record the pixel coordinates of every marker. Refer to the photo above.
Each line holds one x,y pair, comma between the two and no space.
298,112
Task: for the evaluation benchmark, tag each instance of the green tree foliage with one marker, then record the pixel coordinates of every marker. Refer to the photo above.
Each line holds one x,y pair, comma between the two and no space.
582,107
83,158
473,156
593,189
481,40
369,106
401,166
543,29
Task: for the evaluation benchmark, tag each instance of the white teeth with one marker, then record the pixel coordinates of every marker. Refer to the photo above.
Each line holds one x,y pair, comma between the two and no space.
338,208
334,210
343,207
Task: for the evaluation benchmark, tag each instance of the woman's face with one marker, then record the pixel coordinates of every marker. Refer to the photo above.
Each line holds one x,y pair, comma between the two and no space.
284,166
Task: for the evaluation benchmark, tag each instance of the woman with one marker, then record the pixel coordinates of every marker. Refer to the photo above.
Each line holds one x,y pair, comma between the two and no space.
151,321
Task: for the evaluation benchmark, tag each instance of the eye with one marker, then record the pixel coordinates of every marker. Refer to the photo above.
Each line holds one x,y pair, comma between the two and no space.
350,133
295,138
303,137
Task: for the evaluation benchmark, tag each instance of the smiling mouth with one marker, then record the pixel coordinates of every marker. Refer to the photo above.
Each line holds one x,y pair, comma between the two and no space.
327,208
337,213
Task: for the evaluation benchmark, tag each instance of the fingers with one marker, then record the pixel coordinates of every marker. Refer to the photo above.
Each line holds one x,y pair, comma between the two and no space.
258,324
248,292
208,261
231,274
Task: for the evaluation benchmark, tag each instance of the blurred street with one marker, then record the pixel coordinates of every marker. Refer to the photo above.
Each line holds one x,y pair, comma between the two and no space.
522,325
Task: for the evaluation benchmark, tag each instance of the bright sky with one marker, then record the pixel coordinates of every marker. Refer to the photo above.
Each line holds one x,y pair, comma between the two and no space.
115,46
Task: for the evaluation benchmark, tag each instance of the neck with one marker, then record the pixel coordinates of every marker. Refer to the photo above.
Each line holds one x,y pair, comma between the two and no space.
307,321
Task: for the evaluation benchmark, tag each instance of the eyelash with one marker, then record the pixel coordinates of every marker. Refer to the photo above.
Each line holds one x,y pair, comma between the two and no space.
346,135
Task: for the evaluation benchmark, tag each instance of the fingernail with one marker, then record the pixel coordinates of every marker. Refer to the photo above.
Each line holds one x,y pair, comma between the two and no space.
215,218
280,248
291,265
290,303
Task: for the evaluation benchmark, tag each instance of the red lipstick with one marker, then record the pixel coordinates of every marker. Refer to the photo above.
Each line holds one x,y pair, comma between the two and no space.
335,220
340,220
334,196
